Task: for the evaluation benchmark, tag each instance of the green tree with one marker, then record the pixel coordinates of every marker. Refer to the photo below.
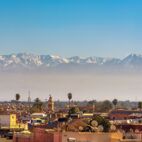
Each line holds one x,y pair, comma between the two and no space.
17,97
37,106
114,102
74,110
140,105
106,106
102,121
91,103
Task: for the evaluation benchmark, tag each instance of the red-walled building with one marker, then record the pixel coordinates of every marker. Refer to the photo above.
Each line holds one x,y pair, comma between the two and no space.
121,114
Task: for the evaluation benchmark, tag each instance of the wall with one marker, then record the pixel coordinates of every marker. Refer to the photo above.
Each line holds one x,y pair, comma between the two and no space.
5,120
131,140
40,135
13,120
23,138
90,137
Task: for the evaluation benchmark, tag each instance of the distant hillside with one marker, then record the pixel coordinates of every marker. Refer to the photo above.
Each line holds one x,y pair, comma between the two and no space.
24,61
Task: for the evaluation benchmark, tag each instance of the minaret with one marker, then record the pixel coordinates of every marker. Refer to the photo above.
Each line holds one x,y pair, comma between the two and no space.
50,104
29,97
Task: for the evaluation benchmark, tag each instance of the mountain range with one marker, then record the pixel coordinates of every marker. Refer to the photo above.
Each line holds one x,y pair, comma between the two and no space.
32,61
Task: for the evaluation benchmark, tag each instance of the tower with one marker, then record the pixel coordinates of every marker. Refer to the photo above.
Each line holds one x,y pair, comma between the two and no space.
29,97
50,104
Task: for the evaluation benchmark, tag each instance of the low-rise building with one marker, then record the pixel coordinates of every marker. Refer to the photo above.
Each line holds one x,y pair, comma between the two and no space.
121,114
8,120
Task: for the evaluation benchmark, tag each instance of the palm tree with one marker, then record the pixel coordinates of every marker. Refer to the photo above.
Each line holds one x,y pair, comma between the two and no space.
115,101
37,100
69,97
17,97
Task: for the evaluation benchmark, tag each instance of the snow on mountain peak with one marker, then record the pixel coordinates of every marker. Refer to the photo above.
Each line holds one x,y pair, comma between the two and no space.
55,56
32,60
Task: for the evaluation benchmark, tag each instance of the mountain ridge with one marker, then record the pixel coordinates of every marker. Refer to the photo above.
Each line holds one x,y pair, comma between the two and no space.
29,61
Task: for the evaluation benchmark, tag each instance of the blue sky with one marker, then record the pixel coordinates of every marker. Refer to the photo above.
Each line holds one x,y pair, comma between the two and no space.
109,28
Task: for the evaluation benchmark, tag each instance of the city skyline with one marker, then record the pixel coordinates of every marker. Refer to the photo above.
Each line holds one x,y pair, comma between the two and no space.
84,28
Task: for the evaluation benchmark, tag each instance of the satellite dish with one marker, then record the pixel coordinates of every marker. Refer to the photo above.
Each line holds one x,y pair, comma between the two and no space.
100,128
80,128
94,123
113,128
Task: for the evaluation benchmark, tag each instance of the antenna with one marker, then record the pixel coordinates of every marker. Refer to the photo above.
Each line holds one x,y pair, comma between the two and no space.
29,96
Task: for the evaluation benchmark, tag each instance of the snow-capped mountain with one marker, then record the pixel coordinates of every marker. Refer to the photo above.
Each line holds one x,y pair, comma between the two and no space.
29,61
133,60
